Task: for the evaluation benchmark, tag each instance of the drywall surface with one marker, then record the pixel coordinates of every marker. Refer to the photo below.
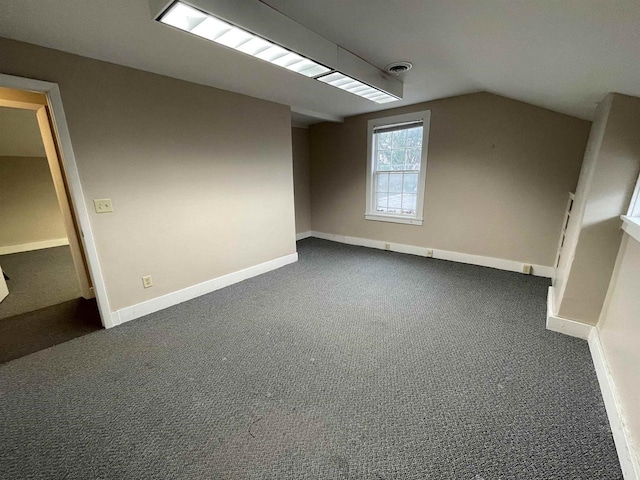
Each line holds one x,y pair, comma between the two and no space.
19,134
608,187
580,201
200,179
498,176
619,331
301,180
29,210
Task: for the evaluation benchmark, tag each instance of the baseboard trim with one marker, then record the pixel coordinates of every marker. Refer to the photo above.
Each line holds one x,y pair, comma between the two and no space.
500,264
28,247
564,325
303,235
629,464
165,301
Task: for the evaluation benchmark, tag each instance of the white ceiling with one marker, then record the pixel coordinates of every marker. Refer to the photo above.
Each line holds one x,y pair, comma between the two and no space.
565,55
19,133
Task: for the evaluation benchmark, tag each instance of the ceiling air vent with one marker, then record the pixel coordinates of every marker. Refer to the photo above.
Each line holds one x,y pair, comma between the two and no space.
397,68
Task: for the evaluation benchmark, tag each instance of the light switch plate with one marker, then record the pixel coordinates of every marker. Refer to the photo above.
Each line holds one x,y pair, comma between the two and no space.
103,205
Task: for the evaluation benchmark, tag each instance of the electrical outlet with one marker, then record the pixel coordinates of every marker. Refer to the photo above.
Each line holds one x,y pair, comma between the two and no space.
147,282
526,268
103,205
387,246
429,253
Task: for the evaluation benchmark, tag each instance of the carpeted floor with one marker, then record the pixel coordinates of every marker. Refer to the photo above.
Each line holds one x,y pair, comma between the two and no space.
38,279
29,332
352,363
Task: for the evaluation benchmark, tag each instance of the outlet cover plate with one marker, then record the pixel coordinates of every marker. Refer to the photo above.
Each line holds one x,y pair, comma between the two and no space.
103,205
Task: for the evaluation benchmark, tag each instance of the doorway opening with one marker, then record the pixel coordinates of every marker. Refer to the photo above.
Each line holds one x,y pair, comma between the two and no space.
46,291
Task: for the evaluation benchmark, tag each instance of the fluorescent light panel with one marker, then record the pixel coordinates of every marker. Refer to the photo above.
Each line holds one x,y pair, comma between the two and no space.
351,85
207,26
204,25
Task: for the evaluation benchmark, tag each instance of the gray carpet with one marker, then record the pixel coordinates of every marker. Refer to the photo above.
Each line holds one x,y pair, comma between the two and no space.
38,279
29,332
352,363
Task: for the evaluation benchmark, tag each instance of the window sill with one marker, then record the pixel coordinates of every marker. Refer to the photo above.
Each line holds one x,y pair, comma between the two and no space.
393,219
631,225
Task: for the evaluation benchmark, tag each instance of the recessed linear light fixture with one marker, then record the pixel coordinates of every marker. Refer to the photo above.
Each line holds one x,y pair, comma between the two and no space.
209,27
351,85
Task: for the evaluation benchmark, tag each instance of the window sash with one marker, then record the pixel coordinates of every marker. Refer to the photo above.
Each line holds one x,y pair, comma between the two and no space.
396,127
408,162
400,199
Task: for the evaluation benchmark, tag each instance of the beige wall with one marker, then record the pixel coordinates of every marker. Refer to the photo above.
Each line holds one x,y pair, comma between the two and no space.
498,175
200,178
29,210
619,332
301,178
580,200
611,167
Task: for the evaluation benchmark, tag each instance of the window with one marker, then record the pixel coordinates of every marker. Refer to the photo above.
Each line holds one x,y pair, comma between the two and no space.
634,207
631,221
397,165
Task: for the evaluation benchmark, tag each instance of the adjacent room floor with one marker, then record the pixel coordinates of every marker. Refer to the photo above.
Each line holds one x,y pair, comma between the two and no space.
44,307
351,363
38,279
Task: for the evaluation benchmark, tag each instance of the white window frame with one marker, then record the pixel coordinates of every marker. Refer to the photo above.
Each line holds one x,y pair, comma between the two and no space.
631,221
634,206
370,211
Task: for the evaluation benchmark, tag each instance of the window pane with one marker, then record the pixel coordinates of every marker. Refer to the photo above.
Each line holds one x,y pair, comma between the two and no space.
399,138
414,137
381,202
413,158
395,182
384,160
409,203
395,203
384,140
382,182
397,159
410,183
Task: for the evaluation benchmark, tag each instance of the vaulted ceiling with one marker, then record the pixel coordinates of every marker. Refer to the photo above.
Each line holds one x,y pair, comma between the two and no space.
19,133
565,55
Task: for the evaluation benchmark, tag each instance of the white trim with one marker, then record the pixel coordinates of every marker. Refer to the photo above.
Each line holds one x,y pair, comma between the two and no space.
500,264
174,298
303,235
370,212
28,247
631,225
629,464
394,219
634,206
621,437
68,161
564,325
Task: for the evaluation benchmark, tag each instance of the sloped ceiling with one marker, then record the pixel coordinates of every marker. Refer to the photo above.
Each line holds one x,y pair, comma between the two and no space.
563,55
19,134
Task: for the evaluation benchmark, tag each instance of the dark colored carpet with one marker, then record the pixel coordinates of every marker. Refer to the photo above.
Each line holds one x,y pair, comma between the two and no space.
352,363
38,279
43,328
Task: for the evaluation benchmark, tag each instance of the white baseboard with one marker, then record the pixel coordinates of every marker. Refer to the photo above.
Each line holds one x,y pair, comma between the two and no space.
629,465
165,301
27,247
564,325
629,462
509,265
303,235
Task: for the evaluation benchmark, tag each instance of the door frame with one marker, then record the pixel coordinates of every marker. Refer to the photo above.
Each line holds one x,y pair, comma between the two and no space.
69,169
